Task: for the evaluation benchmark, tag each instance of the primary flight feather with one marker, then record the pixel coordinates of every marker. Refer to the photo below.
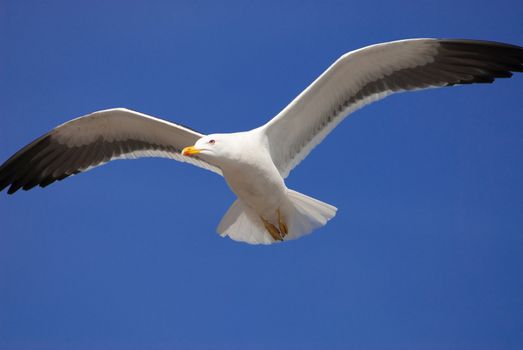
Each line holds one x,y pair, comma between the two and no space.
255,163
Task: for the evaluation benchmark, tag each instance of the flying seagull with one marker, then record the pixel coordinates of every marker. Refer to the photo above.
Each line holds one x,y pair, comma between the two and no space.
255,163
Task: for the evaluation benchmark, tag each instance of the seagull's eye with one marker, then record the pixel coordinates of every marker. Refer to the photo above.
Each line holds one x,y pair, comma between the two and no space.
211,142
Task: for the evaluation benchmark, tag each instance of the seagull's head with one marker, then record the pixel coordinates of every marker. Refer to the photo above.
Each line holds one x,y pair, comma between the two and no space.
212,147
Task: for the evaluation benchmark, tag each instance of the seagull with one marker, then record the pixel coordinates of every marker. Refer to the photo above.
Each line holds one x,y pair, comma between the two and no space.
255,163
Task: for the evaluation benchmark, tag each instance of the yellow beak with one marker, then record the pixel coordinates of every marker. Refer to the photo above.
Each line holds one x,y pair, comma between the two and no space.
190,151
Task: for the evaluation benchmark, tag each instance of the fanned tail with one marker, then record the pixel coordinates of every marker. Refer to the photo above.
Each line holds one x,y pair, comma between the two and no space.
242,224
302,213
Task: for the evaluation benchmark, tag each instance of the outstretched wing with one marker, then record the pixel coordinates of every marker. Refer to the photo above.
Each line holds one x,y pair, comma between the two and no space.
92,140
371,73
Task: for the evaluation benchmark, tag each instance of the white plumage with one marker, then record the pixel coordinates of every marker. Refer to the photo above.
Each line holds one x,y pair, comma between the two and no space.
256,162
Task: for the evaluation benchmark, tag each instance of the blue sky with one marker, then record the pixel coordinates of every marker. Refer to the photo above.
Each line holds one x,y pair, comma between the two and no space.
425,252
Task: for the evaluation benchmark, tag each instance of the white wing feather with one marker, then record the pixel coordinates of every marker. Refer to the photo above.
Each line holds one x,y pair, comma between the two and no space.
95,139
374,72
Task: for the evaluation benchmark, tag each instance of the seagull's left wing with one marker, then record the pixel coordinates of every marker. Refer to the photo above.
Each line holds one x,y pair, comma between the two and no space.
92,140
371,73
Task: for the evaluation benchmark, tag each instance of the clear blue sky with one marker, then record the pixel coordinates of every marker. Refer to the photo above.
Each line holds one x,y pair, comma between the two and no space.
426,249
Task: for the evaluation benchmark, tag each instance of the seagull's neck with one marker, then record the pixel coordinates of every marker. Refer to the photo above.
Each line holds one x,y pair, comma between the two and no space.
245,149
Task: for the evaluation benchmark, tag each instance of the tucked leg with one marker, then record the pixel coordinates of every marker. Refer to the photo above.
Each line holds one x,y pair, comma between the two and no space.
281,223
274,232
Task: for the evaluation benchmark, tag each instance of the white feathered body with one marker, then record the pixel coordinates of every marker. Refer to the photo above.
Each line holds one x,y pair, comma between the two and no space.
252,175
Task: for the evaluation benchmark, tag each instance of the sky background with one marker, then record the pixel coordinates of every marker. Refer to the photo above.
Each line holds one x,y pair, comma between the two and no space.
424,253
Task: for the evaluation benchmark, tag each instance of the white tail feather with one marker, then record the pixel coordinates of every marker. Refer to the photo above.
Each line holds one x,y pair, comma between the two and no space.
302,214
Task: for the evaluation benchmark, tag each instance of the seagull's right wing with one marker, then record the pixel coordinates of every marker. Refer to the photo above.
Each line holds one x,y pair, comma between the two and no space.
373,72
92,140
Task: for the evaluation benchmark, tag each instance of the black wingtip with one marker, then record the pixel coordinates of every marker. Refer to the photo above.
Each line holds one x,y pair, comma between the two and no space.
478,61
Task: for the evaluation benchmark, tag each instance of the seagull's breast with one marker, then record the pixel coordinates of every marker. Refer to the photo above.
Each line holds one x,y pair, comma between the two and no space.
254,178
